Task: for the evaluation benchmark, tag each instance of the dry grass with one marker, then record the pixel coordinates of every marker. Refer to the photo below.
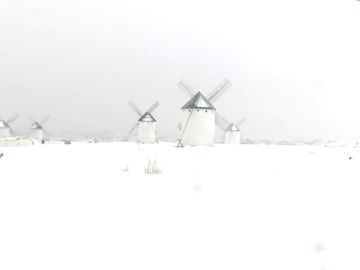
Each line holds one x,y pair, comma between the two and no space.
152,167
125,168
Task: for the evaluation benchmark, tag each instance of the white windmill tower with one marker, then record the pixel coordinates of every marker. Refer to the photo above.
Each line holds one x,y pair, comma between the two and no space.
37,130
146,124
5,129
232,133
198,122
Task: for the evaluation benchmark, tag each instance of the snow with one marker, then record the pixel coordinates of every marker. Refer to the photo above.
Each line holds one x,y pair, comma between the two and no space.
91,206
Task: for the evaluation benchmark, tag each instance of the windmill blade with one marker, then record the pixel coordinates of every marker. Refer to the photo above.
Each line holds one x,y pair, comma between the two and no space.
221,122
31,119
153,107
240,122
135,108
12,119
133,129
219,90
183,85
44,120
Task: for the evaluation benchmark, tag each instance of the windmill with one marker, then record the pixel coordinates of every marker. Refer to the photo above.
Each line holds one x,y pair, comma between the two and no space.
5,128
232,134
37,130
198,123
146,124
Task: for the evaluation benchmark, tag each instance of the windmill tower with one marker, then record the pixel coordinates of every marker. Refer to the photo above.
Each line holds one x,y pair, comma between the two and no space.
146,124
198,121
5,129
37,130
232,134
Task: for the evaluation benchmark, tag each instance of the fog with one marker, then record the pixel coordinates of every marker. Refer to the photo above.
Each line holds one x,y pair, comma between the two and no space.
294,65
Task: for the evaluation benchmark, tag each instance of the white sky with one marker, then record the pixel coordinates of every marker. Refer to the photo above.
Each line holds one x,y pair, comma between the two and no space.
294,65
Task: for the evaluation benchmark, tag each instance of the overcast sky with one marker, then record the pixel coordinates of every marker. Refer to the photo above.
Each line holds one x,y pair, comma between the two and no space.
294,65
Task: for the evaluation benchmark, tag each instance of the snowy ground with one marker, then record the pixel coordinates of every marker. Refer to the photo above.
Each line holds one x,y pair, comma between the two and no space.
91,206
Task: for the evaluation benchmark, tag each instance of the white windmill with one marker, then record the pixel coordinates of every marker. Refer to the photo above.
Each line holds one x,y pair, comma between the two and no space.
232,133
146,124
198,122
5,129
37,130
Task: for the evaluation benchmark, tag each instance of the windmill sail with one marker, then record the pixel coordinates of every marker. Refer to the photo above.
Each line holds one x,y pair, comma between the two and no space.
183,85
221,122
153,107
12,119
219,91
133,129
45,119
135,108
240,122
31,118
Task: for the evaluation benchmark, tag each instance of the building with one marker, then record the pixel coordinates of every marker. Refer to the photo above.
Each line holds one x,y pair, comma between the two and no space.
198,122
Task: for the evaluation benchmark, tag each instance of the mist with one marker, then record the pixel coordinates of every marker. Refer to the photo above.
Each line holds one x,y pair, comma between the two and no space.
294,65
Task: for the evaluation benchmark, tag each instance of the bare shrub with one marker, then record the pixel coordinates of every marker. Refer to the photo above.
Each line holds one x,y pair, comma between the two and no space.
152,167
125,168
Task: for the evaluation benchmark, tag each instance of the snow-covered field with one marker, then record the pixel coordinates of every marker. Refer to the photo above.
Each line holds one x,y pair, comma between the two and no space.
91,206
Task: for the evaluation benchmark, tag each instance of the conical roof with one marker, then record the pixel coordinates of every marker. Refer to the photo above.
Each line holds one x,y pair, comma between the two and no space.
147,117
198,101
233,127
36,125
3,124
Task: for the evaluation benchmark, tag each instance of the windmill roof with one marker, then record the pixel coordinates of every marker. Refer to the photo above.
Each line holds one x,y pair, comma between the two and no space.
147,117
3,124
233,127
36,125
198,101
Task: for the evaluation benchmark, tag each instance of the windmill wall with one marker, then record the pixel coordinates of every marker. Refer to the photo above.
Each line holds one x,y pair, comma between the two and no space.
147,132
5,132
37,134
198,127
232,137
